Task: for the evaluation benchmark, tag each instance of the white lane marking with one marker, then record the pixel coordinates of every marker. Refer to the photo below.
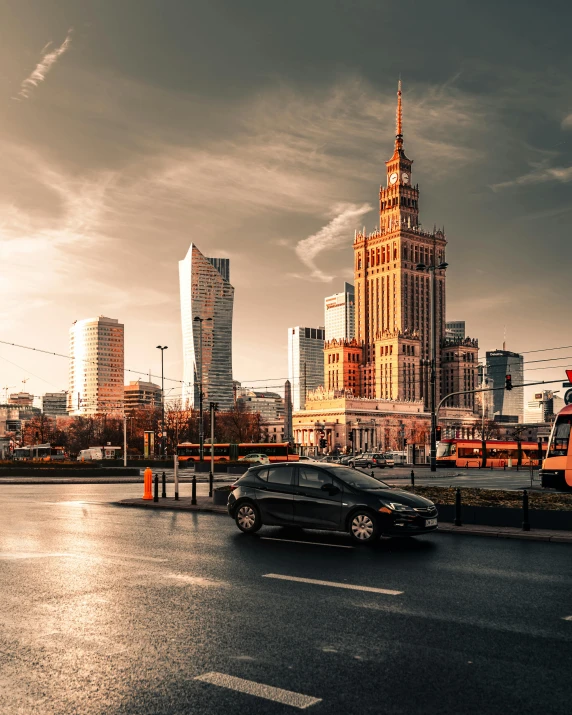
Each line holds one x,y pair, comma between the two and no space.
195,580
259,690
567,618
312,543
333,584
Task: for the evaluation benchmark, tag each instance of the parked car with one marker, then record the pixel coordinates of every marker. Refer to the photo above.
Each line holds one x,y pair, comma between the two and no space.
304,458
255,457
327,497
346,459
369,460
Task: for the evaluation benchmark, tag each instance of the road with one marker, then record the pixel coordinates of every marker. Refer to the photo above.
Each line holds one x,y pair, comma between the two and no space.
106,609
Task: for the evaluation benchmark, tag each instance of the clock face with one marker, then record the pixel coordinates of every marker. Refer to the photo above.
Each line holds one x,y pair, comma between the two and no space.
405,178
393,178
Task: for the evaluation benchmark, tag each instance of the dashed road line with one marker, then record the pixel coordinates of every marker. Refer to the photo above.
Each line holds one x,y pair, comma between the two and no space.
312,543
567,618
333,584
259,690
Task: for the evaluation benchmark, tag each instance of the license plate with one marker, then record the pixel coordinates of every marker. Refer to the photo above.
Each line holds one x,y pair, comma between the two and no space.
430,522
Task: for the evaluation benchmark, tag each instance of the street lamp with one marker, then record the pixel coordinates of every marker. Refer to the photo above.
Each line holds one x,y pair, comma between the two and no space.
433,343
200,321
162,348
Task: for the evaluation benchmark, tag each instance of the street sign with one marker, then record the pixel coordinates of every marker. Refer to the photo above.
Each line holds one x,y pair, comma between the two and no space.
568,397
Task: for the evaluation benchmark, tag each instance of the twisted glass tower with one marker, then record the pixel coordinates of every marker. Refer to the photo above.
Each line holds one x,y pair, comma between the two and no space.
206,293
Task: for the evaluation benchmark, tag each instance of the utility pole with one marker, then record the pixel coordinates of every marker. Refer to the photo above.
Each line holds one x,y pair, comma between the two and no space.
200,321
162,348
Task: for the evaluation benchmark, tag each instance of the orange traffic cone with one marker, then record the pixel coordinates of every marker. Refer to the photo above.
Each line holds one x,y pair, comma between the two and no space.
148,484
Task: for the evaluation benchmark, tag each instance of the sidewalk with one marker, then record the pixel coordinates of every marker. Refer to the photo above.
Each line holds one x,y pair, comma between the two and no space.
205,504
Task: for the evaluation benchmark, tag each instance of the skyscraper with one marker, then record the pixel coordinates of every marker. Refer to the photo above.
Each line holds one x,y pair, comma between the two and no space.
507,404
305,362
206,293
339,314
96,366
455,329
395,268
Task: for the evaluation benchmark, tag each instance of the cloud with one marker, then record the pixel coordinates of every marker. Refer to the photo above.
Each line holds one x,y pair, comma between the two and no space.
539,175
331,236
48,60
567,122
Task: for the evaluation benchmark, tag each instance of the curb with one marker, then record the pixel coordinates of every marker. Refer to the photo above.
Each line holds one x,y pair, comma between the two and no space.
444,527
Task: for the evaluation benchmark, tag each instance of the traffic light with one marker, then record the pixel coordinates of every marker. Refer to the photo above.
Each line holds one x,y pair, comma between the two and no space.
508,382
323,442
351,436
405,442
438,433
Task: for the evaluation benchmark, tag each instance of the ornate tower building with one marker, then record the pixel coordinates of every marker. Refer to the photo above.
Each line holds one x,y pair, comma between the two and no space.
392,294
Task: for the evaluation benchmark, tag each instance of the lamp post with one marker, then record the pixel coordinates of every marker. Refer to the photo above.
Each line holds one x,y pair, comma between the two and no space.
200,321
162,348
433,349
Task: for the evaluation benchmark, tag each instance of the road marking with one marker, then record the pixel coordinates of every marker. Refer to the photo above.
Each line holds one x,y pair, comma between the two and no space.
567,618
333,584
259,690
312,543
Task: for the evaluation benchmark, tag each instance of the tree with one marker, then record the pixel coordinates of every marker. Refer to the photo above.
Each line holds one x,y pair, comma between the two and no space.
491,430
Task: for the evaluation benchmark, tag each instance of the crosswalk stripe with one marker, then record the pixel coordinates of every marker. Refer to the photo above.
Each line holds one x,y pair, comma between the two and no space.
259,690
333,584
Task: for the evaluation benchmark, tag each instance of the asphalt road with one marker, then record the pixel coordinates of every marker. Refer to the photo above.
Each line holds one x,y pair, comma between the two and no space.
111,610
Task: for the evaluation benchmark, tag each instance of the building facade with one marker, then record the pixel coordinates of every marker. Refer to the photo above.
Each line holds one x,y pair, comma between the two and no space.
543,408
506,404
396,270
22,399
55,403
305,362
206,293
455,330
269,405
139,394
96,366
339,314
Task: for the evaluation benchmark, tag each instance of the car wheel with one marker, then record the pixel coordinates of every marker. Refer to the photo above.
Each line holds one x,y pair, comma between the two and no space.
363,528
247,518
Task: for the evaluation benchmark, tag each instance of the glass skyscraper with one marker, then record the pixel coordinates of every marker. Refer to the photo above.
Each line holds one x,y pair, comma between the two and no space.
305,362
339,314
206,293
506,403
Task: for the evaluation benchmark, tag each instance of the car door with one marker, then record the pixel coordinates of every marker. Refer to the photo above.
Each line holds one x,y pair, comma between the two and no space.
275,494
317,499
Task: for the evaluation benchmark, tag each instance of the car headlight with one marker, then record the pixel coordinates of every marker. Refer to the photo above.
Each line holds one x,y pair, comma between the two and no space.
393,506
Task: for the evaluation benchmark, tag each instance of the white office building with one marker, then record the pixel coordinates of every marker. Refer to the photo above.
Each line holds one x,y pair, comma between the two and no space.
305,362
96,367
339,314
206,293
455,330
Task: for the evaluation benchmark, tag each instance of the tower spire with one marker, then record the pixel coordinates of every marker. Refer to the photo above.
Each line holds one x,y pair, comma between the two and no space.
399,119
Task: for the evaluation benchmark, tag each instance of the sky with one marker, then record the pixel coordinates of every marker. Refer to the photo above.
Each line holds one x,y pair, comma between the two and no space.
259,131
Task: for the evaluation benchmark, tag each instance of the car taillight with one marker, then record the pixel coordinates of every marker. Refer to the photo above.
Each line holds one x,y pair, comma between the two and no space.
233,487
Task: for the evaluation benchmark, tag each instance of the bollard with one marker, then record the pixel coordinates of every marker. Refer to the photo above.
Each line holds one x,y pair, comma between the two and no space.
148,484
491,466
156,497
164,487
412,478
372,475
504,466
457,521
211,479
525,521
194,489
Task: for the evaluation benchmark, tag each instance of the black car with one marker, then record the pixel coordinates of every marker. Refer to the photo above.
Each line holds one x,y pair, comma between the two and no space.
329,497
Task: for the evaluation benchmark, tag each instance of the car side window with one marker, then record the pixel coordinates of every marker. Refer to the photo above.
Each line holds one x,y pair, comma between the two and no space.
310,478
262,474
280,475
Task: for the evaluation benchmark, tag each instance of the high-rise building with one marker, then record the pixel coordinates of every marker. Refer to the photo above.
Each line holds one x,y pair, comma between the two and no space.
339,314
455,330
141,394
395,269
55,403
96,366
305,362
206,293
506,403
543,408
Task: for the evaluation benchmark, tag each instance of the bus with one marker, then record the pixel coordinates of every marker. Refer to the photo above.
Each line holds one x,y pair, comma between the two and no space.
469,453
556,469
276,452
39,452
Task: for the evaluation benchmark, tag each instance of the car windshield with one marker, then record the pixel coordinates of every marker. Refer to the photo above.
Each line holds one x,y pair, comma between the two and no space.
357,479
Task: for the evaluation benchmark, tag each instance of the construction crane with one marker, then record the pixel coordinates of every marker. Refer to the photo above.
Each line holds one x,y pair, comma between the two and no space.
6,388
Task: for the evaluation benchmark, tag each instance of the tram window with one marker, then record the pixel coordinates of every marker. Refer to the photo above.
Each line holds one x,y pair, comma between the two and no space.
561,437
